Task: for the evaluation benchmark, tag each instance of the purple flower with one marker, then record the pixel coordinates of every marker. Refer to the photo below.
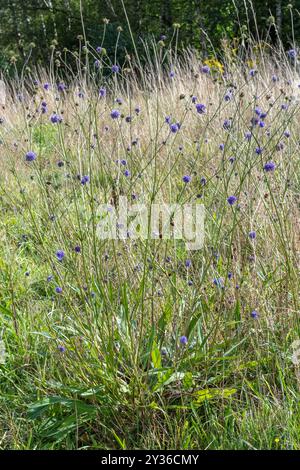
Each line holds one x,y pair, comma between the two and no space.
218,282
258,150
127,173
60,254
61,348
292,53
248,135
102,92
203,181
97,64
201,108
254,314
188,263
221,147
77,249
227,124
55,118
183,340
46,86
115,68
84,180
99,49
115,114
172,74
269,166
58,290
174,128
30,156
49,278
61,86
252,234
252,72
194,99
168,119
186,178
231,200
205,69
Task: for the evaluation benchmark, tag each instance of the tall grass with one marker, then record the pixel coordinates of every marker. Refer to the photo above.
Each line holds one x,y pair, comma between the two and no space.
100,364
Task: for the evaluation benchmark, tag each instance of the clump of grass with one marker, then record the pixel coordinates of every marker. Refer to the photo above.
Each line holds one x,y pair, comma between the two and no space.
125,344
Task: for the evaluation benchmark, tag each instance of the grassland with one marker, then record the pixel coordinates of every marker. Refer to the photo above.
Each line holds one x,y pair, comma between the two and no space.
92,348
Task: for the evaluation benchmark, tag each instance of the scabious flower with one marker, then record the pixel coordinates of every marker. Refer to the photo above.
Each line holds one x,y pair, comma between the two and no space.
30,156
252,72
203,181
99,49
61,86
231,200
275,78
183,340
115,114
168,119
254,314
58,290
248,135
97,64
172,74
227,124
205,69
221,147
61,348
115,68
257,111
50,278
46,86
252,234
194,99
292,53
60,254
127,173
186,178
228,96
201,108
287,133
85,179
218,282
174,128
55,118
188,263
258,150
102,92
77,249
269,166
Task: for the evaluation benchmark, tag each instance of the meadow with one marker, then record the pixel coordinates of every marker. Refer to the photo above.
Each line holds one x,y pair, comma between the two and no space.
142,344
